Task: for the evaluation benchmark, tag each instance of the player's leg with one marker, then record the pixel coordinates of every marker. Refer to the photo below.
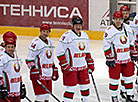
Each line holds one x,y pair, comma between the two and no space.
128,72
40,93
84,81
69,93
70,81
114,74
123,93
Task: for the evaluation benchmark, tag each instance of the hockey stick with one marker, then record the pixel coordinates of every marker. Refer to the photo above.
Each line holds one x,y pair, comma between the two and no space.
95,88
48,91
28,99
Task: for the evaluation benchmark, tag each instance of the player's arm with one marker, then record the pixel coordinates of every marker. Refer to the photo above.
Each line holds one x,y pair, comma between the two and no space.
60,52
30,61
133,52
107,46
3,89
55,74
89,59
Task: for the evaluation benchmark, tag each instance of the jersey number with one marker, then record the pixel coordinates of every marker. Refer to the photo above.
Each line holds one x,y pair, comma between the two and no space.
33,45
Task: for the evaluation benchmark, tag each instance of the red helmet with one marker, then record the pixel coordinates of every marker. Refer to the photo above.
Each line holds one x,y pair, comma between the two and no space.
9,38
117,14
124,8
45,27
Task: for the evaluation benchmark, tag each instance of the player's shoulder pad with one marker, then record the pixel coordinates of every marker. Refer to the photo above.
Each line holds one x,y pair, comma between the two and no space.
66,37
108,32
3,59
51,41
84,34
128,28
34,43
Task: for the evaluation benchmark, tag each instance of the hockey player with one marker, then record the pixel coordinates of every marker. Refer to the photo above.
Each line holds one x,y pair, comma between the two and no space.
11,86
40,61
75,60
135,28
126,12
118,44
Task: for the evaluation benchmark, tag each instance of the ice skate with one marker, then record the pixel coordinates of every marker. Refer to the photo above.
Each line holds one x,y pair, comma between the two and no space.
130,98
123,96
115,99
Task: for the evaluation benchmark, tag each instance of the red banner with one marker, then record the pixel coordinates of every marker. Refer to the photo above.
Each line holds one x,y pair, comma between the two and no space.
31,13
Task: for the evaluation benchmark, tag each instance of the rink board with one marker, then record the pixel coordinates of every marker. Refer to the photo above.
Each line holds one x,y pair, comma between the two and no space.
55,33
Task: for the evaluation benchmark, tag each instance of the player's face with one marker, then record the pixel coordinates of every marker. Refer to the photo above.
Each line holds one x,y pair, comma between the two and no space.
118,22
125,14
44,34
77,28
10,48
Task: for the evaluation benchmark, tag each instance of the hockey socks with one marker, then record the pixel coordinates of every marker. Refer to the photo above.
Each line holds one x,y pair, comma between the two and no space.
84,89
69,93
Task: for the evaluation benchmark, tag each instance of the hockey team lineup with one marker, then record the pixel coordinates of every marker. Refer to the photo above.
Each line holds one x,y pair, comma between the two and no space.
72,68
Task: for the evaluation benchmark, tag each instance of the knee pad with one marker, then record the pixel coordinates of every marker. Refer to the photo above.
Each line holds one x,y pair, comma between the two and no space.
128,79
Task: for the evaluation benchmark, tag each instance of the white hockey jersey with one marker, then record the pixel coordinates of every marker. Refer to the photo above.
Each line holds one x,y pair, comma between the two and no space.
43,55
135,26
10,69
75,48
118,43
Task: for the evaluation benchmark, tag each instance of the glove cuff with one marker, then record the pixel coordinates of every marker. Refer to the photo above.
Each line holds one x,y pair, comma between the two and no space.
110,58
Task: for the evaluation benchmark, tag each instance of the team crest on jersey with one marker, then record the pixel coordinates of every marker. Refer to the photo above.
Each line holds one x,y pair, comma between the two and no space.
81,46
48,54
123,39
16,67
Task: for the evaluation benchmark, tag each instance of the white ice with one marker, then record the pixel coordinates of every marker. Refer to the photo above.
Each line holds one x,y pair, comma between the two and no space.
100,74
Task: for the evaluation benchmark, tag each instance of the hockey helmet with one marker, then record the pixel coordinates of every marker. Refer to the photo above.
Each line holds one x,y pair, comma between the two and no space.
9,38
77,20
117,14
124,8
45,26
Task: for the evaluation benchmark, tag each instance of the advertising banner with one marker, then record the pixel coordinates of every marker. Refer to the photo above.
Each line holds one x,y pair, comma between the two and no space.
31,13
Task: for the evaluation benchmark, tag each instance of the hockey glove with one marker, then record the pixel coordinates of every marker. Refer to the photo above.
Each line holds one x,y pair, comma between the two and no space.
65,66
3,92
134,58
22,91
91,68
110,62
55,74
90,63
34,74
